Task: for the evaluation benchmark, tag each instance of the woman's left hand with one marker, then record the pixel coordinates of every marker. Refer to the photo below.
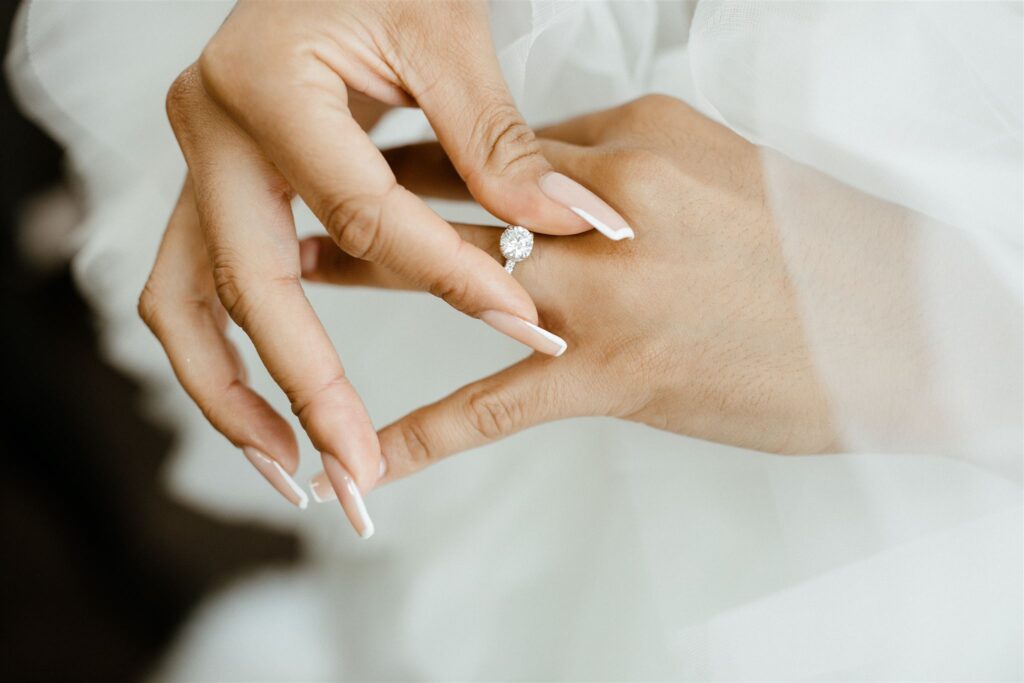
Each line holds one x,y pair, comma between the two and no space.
693,327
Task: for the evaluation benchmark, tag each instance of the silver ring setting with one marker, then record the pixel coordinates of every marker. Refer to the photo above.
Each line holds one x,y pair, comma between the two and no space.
516,245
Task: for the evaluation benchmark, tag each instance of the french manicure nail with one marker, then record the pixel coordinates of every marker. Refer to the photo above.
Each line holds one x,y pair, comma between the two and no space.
536,338
586,205
348,495
320,487
276,475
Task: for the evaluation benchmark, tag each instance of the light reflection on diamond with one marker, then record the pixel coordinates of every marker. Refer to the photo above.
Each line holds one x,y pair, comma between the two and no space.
516,243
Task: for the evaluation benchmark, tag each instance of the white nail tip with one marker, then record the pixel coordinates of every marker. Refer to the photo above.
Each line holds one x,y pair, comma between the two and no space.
364,515
303,498
553,338
616,235
321,489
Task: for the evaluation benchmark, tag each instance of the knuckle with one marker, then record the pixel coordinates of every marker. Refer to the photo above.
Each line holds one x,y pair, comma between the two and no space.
237,288
492,414
508,141
356,224
304,400
148,307
453,288
228,284
636,170
417,443
656,103
182,98
215,406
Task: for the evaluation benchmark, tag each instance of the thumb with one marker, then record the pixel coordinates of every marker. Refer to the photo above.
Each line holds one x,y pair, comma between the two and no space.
526,394
495,152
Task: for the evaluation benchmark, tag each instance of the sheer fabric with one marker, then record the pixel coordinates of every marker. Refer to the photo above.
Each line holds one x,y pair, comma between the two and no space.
893,151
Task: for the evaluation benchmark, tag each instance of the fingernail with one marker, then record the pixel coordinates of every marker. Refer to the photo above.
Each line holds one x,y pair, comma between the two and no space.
278,478
348,495
586,205
309,251
536,338
320,487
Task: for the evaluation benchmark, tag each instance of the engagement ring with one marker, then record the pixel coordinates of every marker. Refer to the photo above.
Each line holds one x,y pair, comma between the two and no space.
516,245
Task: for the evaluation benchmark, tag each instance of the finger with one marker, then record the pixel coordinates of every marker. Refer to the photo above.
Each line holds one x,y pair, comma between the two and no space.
180,307
424,169
465,98
307,131
246,219
529,393
323,262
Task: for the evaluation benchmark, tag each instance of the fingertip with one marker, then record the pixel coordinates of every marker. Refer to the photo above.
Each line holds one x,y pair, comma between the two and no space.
321,489
522,201
349,495
525,332
594,211
277,476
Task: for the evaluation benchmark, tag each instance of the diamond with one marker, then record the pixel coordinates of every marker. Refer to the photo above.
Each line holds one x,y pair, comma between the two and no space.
516,243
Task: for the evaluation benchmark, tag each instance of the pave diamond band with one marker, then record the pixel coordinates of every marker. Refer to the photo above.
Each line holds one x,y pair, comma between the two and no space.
516,245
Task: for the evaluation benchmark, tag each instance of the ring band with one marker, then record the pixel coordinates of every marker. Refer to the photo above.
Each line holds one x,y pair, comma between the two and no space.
516,245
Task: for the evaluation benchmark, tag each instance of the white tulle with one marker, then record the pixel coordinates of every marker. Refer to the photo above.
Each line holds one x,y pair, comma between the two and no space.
594,549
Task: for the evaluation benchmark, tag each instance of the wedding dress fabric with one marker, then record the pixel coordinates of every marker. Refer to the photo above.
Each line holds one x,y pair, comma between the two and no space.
597,549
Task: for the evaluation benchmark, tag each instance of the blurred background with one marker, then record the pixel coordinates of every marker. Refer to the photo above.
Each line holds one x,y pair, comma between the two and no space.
101,566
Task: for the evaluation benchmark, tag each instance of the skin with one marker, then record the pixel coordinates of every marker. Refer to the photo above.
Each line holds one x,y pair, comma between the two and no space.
693,327
276,106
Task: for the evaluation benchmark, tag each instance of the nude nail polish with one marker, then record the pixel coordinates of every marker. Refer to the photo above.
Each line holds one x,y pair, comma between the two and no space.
535,337
586,205
321,488
348,495
277,476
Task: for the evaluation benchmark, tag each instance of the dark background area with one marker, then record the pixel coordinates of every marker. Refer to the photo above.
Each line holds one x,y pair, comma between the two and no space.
100,566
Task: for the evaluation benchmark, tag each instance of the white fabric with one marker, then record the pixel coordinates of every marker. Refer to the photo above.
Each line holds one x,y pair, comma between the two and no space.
594,549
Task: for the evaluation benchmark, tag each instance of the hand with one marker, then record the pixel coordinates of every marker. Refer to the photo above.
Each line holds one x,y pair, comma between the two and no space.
272,109
692,328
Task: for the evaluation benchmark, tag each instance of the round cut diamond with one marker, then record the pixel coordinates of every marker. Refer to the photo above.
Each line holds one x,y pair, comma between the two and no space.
516,243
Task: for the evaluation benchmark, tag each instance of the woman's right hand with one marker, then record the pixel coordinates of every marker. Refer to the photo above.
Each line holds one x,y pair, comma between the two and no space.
267,113
693,327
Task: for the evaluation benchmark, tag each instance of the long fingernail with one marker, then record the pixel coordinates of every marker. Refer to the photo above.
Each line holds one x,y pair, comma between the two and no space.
321,487
536,338
348,495
586,205
278,478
